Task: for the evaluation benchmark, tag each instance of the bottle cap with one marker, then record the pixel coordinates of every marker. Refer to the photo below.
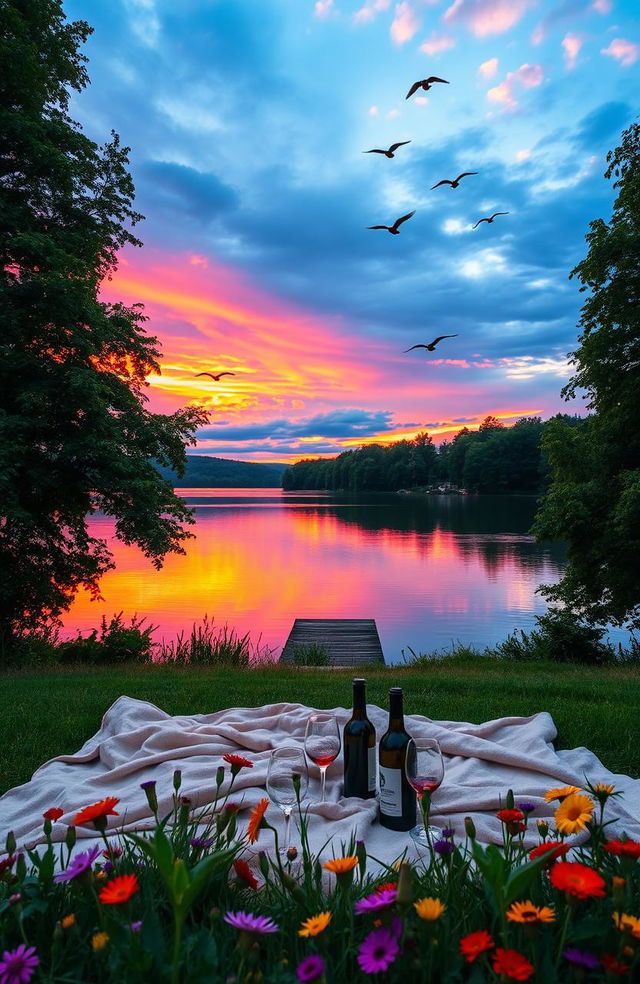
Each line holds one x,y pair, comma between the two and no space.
359,681
395,690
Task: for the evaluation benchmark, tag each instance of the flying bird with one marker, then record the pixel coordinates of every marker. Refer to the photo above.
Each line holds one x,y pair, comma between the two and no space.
390,152
394,229
215,375
431,346
424,84
455,182
489,219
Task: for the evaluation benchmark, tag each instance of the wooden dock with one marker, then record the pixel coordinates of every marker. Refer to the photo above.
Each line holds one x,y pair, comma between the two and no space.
348,641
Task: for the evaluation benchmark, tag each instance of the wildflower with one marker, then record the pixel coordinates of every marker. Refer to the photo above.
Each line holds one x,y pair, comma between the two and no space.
149,788
512,964
510,816
78,865
15,899
624,849
613,966
202,843
339,866
292,853
602,791
448,831
237,762
527,912
244,873
97,813
574,813
232,807
256,820
17,966
113,853
378,950
136,926
99,941
68,921
119,890
627,924
474,944
310,969
527,806
561,793
444,847
53,813
7,863
385,886
580,958
554,850
376,901
577,879
247,922
429,909
543,827
315,924
470,828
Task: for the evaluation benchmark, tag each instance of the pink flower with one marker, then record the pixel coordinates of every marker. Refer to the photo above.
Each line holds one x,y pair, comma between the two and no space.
310,969
378,950
249,923
78,866
17,966
376,901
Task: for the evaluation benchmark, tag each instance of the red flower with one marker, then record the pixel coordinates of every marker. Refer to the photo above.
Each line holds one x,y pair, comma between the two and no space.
386,887
512,964
577,880
7,863
53,813
474,944
119,890
237,761
613,966
625,849
510,816
97,811
244,872
232,807
555,850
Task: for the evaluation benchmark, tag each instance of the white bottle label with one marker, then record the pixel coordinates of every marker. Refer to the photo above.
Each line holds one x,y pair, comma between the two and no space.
371,769
390,792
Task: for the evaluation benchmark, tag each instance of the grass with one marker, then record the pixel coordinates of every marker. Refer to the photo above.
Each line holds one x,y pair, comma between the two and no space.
51,712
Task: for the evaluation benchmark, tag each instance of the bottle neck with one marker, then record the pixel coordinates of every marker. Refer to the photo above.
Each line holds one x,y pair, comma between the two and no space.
396,715
359,700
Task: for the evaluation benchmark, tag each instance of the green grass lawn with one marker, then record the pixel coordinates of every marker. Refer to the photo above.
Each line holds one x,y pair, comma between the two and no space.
51,712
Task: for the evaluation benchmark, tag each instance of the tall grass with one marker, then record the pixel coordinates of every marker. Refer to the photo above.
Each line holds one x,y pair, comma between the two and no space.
211,645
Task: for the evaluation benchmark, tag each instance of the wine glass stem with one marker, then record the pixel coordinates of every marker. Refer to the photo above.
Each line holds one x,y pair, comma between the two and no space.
287,826
323,777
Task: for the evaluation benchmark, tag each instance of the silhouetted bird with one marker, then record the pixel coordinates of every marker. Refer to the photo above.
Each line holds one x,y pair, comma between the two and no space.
431,346
394,229
424,84
490,219
390,152
215,376
455,182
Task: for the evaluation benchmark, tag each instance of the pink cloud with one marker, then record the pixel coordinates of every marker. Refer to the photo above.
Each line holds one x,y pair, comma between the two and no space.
322,8
404,24
523,155
571,44
626,52
602,6
538,34
437,43
196,260
369,10
527,76
484,17
489,68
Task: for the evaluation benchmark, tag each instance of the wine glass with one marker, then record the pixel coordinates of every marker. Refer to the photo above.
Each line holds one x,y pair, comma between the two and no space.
287,764
322,743
424,767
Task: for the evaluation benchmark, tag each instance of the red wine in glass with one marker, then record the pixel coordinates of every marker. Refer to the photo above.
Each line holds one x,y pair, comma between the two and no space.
425,771
428,784
322,743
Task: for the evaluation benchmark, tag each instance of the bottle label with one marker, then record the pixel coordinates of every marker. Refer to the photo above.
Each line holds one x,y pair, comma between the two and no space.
390,792
371,769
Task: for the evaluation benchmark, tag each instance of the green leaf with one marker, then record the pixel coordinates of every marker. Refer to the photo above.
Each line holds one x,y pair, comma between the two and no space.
520,879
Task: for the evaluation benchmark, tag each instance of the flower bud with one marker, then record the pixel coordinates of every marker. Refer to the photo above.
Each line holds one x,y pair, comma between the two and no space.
10,843
292,853
15,899
220,776
47,827
405,887
177,779
71,837
510,799
263,862
361,854
470,828
150,792
543,827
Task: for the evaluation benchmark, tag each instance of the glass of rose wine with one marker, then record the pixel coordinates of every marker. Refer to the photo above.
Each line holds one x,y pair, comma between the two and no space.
322,743
425,771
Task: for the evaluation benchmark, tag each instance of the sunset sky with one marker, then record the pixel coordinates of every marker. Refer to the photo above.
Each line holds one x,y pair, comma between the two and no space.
247,121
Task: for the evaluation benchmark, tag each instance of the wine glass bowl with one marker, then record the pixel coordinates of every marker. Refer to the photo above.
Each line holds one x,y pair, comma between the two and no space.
424,768
322,743
287,769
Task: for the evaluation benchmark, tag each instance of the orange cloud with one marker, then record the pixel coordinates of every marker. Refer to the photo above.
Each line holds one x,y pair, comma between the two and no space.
404,24
626,52
485,17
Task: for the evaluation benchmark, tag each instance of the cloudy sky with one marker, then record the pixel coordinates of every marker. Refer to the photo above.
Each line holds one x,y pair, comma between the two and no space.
247,121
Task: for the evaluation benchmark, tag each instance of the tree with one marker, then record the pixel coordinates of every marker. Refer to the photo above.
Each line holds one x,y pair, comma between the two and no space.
75,434
594,498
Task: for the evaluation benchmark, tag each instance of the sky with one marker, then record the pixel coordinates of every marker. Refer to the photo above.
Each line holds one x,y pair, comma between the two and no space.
247,122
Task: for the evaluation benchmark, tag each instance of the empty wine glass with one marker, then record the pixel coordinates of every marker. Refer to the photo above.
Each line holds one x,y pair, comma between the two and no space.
285,764
425,771
322,743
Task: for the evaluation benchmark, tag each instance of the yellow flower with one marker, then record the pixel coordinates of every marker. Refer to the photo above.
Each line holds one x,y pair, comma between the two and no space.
604,787
429,909
340,865
99,941
68,921
315,924
527,912
627,924
560,793
573,813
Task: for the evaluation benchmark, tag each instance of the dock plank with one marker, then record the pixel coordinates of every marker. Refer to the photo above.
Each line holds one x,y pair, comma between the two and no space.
349,641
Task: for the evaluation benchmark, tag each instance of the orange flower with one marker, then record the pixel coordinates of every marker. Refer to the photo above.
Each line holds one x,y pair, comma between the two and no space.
237,760
68,921
625,849
555,850
341,865
53,813
315,924
577,880
244,872
574,813
512,964
474,944
627,924
98,811
559,794
119,890
527,912
256,819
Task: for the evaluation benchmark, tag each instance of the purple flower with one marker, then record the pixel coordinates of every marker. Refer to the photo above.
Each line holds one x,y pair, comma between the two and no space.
526,806
149,784
311,968
249,923
378,950
135,927
448,832
17,966
376,901
202,842
77,866
107,867
444,847
581,958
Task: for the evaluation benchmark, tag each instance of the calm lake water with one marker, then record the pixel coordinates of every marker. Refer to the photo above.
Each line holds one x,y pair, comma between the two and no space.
432,571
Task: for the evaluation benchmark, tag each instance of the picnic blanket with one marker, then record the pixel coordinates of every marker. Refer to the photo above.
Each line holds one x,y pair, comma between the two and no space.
137,742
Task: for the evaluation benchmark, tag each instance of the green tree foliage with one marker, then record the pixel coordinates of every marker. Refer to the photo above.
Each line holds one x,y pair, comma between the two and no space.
75,435
594,499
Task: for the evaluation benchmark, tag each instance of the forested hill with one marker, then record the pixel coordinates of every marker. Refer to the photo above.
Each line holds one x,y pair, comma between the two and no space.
203,472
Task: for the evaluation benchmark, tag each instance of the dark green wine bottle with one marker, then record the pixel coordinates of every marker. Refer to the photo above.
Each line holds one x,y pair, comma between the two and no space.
359,742
397,798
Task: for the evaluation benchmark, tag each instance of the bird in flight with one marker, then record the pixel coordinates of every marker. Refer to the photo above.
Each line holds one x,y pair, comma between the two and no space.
424,84
215,375
489,219
394,229
390,152
455,182
431,346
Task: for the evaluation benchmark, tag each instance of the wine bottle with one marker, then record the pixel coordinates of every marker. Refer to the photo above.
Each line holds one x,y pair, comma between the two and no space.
397,798
359,742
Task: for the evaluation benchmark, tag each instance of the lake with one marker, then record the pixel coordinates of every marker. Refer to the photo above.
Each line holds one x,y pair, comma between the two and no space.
431,570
